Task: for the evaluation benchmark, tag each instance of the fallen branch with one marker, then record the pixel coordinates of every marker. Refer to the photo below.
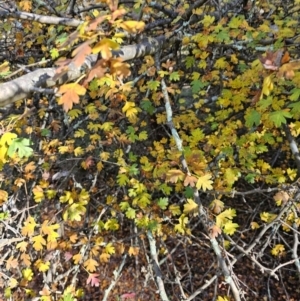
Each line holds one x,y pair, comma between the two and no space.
25,85
117,275
159,281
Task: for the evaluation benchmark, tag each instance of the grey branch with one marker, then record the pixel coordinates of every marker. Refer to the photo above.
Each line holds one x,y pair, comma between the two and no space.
23,86
40,18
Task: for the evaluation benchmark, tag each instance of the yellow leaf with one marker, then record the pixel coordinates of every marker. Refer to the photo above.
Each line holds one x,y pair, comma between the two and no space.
254,225
28,228
223,217
78,151
77,258
27,274
216,206
292,173
43,266
230,227
133,26
278,250
104,257
207,20
105,46
267,86
175,209
39,241
50,231
38,194
222,299
3,196
110,249
205,182
281,197
190,207
267,217
6,140
91,265
12,283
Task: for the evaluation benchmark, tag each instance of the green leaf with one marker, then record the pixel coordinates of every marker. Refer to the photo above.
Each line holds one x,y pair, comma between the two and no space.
68,297
143,135
265,102
130,213
163,203
295,107
147,106
295,94
124,206
252,118
174,76
111,224
54,53
165,189
45,133
153,85
197,86
188,192
133,170
279,117
189,61
250,178
20,146
122,179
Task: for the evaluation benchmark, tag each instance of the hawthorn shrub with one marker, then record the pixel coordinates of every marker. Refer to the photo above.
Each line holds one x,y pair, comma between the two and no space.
149,150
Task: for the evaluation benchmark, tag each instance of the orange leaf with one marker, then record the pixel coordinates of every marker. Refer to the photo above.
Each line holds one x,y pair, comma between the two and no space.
287,70
22,246
286,58
190,181
133,251
119,68
117,13
11,263
70,95
26,259
30,167
214,231
80,53
95,22
174,175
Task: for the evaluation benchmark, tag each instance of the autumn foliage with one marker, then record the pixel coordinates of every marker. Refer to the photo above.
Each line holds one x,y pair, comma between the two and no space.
160,159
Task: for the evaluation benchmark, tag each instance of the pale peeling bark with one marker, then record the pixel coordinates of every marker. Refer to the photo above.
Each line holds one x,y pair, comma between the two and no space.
23,86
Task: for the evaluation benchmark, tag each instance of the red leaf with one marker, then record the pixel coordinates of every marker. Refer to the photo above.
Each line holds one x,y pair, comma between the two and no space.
93,280
128,296
272,60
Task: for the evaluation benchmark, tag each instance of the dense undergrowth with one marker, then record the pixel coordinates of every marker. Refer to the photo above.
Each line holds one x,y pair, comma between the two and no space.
171,174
